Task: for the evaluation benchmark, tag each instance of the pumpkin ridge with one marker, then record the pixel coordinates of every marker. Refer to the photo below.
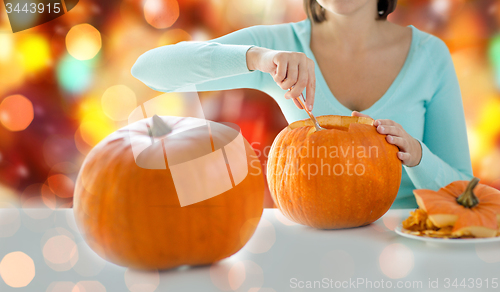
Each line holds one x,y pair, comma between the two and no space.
280,174
473,219
99,234
113,192
282,148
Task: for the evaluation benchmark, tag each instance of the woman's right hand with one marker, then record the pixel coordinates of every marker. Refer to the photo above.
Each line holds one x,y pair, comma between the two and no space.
290,70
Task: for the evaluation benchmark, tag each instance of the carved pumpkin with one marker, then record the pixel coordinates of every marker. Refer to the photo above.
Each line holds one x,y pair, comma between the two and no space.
346,176
471,208
129,210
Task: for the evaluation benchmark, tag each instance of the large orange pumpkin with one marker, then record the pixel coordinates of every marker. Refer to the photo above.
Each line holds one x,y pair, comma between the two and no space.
129,210
471,208
346,176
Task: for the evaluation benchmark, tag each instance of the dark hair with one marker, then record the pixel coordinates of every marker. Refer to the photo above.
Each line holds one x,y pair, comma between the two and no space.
317,14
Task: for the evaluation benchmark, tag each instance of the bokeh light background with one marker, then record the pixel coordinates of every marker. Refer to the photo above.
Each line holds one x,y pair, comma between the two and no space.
66,84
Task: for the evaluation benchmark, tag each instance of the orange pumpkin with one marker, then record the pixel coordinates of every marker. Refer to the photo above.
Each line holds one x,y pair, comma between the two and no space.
345,176
471,208
130,211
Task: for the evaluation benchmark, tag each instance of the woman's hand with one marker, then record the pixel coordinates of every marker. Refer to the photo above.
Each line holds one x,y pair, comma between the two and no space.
288,69
410,150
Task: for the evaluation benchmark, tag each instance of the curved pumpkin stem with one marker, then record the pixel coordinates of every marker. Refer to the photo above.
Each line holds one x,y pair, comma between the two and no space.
159,127
468,199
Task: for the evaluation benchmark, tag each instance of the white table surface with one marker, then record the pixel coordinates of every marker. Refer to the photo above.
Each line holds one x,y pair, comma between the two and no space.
281,256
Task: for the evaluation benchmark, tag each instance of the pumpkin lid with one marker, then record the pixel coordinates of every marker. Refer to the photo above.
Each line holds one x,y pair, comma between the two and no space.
467,206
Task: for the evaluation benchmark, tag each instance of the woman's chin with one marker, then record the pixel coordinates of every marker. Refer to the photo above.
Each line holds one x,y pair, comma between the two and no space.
343,7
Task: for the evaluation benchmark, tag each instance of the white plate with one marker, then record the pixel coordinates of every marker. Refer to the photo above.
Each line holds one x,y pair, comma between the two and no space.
399,230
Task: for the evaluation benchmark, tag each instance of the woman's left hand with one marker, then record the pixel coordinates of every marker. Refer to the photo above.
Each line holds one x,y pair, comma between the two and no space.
410,150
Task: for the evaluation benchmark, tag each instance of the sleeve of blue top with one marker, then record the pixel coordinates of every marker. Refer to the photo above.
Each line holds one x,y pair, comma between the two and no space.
445,149
218,64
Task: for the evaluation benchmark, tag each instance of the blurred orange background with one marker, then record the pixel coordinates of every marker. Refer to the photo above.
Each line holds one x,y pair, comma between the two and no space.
66,84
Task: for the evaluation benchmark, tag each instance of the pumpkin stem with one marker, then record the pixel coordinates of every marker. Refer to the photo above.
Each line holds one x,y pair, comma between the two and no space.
159,127
468,199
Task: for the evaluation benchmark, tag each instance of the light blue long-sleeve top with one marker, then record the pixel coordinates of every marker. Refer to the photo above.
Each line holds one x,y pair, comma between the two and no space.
424,98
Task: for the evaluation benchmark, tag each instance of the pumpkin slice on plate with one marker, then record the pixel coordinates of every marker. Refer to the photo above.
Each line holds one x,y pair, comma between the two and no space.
471,208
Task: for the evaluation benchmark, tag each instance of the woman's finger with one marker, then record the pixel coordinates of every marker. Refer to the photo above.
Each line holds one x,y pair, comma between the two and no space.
358,114
404,157
292,74
389,130
297,103
385,122
302,80
280,75
398,141
311,86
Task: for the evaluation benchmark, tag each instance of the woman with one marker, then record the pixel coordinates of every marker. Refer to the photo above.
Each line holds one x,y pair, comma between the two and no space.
348,59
